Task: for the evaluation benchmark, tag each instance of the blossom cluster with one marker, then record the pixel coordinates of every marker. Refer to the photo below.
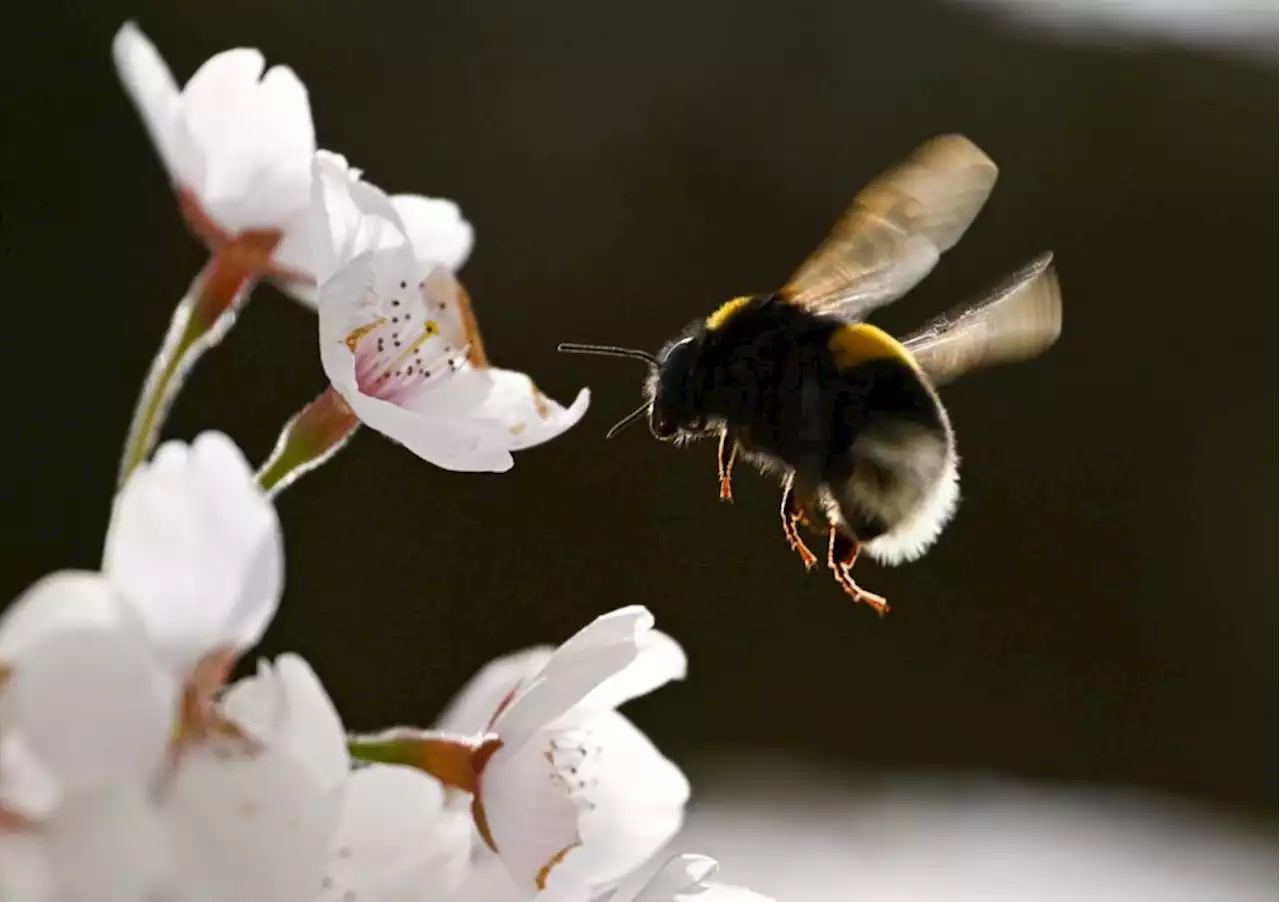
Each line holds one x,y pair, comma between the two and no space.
399,339
133,770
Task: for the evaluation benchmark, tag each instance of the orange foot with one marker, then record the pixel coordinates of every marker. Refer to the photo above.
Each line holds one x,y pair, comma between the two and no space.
725,457
841,555
792,514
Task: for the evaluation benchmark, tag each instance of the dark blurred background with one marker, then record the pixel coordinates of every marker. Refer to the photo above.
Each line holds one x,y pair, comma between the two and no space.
1102,609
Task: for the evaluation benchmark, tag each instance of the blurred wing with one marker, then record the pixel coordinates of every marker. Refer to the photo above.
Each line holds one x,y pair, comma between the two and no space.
1019,319
895,230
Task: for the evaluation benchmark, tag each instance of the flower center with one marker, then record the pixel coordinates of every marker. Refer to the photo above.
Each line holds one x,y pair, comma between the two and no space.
573,756
404,348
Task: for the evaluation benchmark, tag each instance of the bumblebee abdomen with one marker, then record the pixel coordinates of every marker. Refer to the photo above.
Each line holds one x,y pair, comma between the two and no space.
845,407
894,476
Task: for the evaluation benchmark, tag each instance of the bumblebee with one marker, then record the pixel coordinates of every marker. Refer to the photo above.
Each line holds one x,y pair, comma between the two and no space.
797,382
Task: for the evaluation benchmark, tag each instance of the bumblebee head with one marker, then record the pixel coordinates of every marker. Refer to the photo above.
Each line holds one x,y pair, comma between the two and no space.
672,393
675,409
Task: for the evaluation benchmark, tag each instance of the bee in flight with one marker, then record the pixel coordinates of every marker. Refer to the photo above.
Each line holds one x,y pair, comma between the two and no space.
797,381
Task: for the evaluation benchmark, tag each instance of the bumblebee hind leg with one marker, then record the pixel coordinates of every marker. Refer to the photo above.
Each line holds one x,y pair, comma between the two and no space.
793,513
725,457
841,555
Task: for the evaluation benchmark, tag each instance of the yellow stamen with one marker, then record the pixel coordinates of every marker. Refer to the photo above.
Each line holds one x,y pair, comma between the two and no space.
354,336
431,330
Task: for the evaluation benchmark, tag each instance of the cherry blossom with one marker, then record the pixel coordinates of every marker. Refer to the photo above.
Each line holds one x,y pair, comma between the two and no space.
256,823
82,693
195,548
64,841
237,145
235,141
572,796
400,343
288,819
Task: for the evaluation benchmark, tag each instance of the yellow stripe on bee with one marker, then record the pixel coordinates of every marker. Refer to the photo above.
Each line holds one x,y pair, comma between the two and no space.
727,310
857,343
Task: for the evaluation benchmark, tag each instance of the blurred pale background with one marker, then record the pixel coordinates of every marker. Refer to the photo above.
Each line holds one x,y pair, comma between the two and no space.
1100,614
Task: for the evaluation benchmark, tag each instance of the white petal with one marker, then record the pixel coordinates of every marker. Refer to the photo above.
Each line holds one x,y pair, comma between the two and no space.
473,708
686,878
84,692
601,650
27,786
24,869
241,142
633,797
305,293
277,158
216,103
249,827
295,253
659,661
450,444
348,217
436,230
153,91
107,846
397,840
196,548
349,300
485,881
533,821
503,403
286,708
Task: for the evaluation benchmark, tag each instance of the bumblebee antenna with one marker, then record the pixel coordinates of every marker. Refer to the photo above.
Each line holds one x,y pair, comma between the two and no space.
610,351
627,421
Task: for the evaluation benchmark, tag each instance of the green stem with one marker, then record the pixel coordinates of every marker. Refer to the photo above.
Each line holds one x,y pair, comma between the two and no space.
316,433
168,371
453,760
199,322
374,751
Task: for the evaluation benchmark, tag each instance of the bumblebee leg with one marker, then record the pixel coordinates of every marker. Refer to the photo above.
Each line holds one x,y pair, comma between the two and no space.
841,555
727,454
792,514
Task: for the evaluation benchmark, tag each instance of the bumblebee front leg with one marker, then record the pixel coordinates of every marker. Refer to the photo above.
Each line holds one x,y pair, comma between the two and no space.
841,555
725,457
792,514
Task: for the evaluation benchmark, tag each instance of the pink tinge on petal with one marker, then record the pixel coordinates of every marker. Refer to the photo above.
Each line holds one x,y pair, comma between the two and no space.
400,355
